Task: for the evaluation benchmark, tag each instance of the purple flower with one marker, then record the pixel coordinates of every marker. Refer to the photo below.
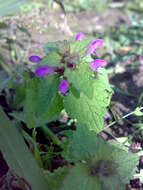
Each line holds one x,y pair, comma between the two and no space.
79,36
96,64
44,70
35,59
63,88
97,43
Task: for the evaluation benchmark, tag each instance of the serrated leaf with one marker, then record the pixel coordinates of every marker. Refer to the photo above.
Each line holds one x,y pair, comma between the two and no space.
93,110
87,59
81,149
118,164
127,163
53,59
81,47
47,91
81,78
79,178
53,110
55,179
42,102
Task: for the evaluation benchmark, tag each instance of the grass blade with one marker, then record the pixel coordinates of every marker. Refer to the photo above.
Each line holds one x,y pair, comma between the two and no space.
17,155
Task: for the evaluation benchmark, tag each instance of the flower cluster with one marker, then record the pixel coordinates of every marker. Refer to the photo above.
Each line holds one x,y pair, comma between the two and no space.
95,65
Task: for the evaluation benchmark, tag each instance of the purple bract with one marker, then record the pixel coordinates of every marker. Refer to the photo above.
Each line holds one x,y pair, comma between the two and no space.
63,88
107,116
44,70
79,36
35,59
97,43
96,64
72,66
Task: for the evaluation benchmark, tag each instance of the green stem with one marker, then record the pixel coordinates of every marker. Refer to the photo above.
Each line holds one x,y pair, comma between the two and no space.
133,135
31,140
125,116
52,136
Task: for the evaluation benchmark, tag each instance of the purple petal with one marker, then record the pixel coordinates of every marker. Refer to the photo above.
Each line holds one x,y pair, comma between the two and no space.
79,36
97,43
63,88
96,64
35,59
44,70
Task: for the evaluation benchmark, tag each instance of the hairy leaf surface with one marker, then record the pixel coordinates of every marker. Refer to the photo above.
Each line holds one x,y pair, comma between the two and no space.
90,111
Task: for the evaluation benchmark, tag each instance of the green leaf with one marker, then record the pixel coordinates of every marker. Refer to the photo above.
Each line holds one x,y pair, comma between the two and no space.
4,65
81,47
53,59
55,179
127,163
138,112
82,79
93,110
19,95
47,91
114,167
4,80
93,145
30,105
19,116
10,6
50,47
53,110
74,91
17,155
112,182
43,103
79,178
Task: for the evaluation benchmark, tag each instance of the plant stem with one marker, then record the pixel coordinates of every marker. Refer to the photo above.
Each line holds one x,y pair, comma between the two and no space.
52,136
125,116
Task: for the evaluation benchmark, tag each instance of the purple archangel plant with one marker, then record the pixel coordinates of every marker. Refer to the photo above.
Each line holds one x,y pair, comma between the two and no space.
66,58
68,70
65,82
